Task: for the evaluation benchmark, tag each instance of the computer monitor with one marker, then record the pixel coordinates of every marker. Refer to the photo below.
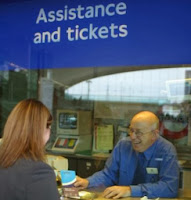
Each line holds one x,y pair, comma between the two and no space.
73,122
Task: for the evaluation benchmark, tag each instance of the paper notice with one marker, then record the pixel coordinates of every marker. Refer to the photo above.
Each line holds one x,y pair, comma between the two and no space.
104,137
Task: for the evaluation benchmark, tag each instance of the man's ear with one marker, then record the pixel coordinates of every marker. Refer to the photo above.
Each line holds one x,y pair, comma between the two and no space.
155,134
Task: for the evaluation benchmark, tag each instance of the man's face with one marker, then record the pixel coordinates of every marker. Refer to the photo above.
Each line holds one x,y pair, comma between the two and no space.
142,135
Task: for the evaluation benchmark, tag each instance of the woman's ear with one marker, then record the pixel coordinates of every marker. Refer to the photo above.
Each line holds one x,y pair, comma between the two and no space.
46,135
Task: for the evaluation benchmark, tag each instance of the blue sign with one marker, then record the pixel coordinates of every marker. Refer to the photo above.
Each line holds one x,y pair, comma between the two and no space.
94,33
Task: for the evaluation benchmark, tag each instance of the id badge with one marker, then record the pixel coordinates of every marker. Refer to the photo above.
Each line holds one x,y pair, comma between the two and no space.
151,170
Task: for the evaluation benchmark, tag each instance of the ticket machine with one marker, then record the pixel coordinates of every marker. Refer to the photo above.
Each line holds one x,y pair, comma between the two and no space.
74,132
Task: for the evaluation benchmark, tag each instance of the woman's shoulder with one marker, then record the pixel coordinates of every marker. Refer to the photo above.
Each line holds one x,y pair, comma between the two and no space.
34,171
29,165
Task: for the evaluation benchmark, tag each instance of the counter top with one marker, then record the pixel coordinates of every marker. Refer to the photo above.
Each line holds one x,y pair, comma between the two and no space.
185,164
183,195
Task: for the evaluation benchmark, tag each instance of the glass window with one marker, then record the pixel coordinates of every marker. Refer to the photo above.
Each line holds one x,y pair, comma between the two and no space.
112,98
115,98
16,85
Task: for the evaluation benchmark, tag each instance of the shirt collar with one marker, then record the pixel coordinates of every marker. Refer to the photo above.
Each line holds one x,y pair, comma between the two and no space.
149,152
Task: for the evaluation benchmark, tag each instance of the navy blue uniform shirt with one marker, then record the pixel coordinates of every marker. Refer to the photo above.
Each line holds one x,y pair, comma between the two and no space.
154,173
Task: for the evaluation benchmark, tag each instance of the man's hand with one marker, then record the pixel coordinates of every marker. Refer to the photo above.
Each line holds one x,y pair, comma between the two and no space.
115,192
81,183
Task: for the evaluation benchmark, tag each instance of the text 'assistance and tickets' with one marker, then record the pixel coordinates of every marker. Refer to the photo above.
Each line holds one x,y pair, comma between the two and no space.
77,32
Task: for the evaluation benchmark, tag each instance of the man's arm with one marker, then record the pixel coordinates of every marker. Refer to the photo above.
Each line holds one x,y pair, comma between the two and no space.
117,171
99,179
110,174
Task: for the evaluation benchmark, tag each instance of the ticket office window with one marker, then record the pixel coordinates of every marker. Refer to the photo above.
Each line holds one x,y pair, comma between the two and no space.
113,98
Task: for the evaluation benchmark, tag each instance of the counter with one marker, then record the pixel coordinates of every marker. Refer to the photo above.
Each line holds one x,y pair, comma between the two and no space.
183,195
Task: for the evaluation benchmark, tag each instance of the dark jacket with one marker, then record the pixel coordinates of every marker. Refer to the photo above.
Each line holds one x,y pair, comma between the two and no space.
28,180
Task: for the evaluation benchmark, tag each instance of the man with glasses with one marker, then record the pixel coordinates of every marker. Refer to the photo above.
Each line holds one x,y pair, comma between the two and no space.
145,165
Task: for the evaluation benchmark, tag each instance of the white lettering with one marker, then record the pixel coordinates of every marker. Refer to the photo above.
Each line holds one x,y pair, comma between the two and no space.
37,38
76,32
103,32
59,15
47,36
41,16
89,12
123,30
82,12
81,34
92,31
79,9
55,37
113,28
70,31
51,16
72,14
65,12
109,13
121,8
102,8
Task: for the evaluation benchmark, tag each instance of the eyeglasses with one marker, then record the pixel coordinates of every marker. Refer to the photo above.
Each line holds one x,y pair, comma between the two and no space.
138,133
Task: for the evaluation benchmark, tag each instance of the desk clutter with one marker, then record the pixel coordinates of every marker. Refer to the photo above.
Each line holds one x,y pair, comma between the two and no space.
66,188
57,162
81,195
